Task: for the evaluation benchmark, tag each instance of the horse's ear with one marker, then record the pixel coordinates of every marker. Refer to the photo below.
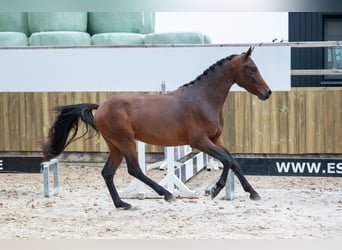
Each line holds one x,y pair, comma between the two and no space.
248,53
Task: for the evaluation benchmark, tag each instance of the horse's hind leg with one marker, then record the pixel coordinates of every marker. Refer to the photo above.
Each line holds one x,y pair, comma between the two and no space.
135,170
108,173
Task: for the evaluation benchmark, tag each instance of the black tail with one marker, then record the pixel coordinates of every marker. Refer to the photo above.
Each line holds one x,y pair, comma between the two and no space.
68,119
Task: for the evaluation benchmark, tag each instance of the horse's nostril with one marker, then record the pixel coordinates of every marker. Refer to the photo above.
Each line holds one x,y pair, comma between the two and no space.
269,92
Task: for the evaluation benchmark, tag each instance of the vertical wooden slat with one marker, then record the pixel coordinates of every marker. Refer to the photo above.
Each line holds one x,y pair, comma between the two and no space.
329,118
248,128
265,123
41,100
292,122
2,120
6,127
228,134
29,114
239,122
257,125
274,122
301,122
13,137
337,97
283,122
22,122
320,140
45,113
309,125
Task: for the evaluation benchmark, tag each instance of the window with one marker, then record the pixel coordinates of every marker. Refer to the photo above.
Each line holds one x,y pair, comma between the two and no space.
333,55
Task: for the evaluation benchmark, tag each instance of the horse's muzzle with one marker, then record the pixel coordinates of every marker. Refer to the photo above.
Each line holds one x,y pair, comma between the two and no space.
264,96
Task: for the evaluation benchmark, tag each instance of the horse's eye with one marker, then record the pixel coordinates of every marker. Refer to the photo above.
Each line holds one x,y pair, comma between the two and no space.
254,70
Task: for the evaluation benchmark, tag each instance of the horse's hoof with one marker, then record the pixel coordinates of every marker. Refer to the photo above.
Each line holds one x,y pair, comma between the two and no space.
170,198
213,193
125,206
255,197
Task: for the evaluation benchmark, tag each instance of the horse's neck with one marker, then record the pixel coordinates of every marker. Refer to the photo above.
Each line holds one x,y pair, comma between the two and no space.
213,91
208,94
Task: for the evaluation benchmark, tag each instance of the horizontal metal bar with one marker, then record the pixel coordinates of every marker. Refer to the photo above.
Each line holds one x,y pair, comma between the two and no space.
315,72
281,44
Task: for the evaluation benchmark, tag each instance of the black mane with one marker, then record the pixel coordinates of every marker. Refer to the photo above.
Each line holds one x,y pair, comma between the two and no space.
211,68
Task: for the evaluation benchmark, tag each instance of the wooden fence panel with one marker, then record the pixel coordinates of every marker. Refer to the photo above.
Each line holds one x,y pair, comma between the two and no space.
301,121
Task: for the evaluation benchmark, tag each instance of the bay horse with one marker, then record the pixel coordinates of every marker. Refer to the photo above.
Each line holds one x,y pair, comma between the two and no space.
190,115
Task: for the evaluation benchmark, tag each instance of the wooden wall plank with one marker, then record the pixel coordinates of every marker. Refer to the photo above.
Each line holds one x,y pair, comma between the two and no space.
283,123
309,125
329,118
320,140
337,97
248,128
239,122
13,137
292,123
275,123
2,120
228,134
301,123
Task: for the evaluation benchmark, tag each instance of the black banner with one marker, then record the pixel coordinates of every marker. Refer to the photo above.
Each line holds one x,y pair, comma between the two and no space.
18,164
282,166
272,166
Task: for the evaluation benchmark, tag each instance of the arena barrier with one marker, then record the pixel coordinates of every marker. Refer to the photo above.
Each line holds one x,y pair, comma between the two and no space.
52,166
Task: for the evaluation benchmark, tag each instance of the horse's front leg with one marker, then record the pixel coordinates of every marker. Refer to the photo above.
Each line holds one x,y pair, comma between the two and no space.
222,154
234,165
245,184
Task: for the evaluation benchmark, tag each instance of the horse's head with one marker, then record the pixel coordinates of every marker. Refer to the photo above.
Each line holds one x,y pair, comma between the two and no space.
248,76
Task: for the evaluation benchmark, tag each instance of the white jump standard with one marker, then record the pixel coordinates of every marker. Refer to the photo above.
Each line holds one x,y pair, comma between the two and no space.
46,167
177,173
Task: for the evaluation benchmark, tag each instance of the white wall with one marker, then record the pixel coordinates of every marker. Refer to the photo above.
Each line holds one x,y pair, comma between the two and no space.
126,69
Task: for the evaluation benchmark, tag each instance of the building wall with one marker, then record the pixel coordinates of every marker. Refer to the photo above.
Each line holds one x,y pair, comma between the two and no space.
307,26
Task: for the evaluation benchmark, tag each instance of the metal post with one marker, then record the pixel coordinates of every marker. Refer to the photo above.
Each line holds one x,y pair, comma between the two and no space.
163,87
46,167
230,187
142,163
